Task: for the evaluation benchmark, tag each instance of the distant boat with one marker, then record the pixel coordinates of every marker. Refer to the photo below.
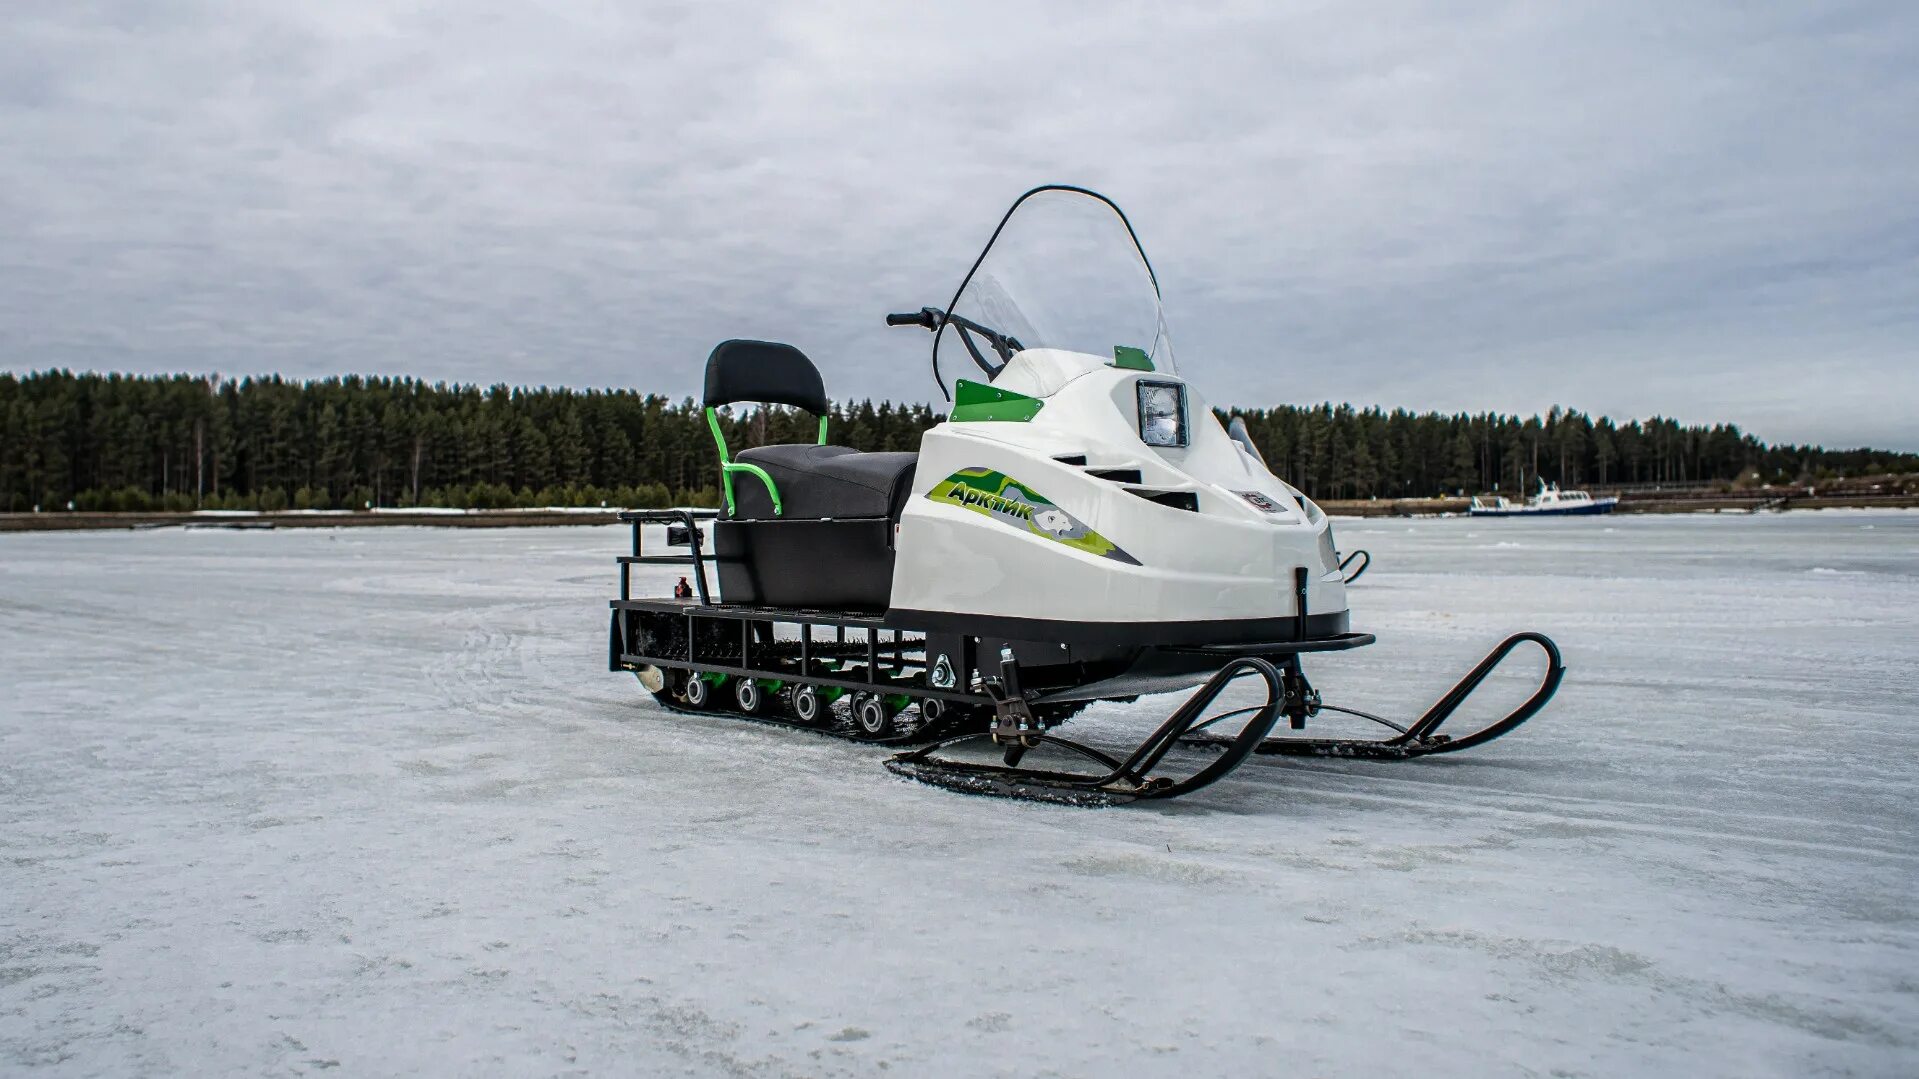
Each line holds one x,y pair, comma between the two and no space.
1549,502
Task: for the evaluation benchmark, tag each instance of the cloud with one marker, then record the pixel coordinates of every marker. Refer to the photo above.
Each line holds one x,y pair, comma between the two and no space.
1704,211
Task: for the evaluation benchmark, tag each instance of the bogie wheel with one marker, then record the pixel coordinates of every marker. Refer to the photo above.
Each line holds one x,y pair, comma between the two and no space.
808,705
874,715
749,696
698,691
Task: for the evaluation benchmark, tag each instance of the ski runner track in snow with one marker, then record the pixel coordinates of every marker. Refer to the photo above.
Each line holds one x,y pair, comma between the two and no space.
276,801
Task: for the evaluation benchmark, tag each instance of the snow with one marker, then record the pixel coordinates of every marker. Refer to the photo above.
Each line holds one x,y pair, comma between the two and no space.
275,801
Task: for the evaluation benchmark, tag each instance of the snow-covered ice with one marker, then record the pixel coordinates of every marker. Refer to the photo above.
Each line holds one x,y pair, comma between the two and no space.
276,801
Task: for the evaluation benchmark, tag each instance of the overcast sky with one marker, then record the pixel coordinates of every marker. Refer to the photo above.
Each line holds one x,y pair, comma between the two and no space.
1705,211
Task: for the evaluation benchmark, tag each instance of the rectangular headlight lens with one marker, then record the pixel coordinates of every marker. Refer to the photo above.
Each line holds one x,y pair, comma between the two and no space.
1162,413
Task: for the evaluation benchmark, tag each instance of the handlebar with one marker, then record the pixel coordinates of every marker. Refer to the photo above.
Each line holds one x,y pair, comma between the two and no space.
925,316
934,319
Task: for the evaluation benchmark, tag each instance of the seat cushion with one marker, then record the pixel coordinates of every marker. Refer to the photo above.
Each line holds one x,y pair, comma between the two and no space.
824,481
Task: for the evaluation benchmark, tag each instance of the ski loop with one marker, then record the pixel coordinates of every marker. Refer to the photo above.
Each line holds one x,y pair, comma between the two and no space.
1422,737
1125,780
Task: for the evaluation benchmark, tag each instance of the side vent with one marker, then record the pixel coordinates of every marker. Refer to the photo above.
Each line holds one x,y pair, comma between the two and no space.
1179,500
1077,460
1117,475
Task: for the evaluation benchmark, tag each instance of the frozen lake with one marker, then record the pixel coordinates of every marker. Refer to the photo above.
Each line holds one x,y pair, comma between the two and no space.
276,801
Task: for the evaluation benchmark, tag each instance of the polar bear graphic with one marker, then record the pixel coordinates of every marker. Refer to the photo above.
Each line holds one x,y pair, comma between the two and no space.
1054,521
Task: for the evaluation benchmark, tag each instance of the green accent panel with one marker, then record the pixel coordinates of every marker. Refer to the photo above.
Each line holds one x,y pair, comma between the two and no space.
898,701
713,678
1012,503
978,401
830,693
770,685
1132,359
822,430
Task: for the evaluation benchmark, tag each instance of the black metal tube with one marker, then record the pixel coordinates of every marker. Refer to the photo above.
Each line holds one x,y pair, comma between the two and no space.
1364,565
1299,592
699,563
1443,709
1127,779
1151,751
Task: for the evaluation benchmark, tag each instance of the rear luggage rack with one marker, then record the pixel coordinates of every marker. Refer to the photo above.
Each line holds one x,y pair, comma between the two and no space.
687,530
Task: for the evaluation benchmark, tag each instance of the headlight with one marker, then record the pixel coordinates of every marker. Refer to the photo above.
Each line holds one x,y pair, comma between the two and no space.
1162,413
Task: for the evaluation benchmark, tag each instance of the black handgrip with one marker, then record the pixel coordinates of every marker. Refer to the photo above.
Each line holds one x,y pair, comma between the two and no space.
915,318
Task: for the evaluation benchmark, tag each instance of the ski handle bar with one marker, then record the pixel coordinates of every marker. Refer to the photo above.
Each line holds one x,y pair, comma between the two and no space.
1442,709
1131,777
1365,560
1242,745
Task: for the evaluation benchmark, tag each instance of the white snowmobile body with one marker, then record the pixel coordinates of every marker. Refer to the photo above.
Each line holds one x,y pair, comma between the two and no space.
1069,517
1080,528
1056,496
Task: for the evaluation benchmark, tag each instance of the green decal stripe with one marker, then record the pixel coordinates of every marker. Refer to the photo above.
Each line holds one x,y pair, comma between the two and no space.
978,401
1002,498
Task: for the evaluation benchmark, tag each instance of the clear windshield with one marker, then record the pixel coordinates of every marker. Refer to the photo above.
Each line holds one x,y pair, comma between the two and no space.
1063,271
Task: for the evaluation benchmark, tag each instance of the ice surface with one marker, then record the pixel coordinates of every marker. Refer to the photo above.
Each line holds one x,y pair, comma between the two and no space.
271,801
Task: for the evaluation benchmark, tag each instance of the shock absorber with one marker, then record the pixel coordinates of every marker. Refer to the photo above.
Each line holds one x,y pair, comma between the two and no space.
1302,700
1015,727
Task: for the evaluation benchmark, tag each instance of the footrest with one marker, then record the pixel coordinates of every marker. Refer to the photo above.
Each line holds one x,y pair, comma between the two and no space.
1337,643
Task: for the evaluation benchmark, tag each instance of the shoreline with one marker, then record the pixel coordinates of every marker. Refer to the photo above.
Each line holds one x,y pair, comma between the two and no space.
62,521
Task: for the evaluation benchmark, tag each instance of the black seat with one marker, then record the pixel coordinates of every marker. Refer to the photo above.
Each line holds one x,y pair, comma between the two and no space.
814,481
831,545
825,481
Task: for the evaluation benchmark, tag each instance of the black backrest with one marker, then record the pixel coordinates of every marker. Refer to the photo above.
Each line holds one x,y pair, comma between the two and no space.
763,371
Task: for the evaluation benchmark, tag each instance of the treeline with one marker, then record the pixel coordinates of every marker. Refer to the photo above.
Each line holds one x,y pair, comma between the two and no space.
1342,452
120,442
123,442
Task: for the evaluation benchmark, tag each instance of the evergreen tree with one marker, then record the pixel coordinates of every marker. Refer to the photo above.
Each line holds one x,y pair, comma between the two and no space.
149,442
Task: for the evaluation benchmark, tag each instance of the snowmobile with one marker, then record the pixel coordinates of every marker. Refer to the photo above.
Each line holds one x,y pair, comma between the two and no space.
1080,528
